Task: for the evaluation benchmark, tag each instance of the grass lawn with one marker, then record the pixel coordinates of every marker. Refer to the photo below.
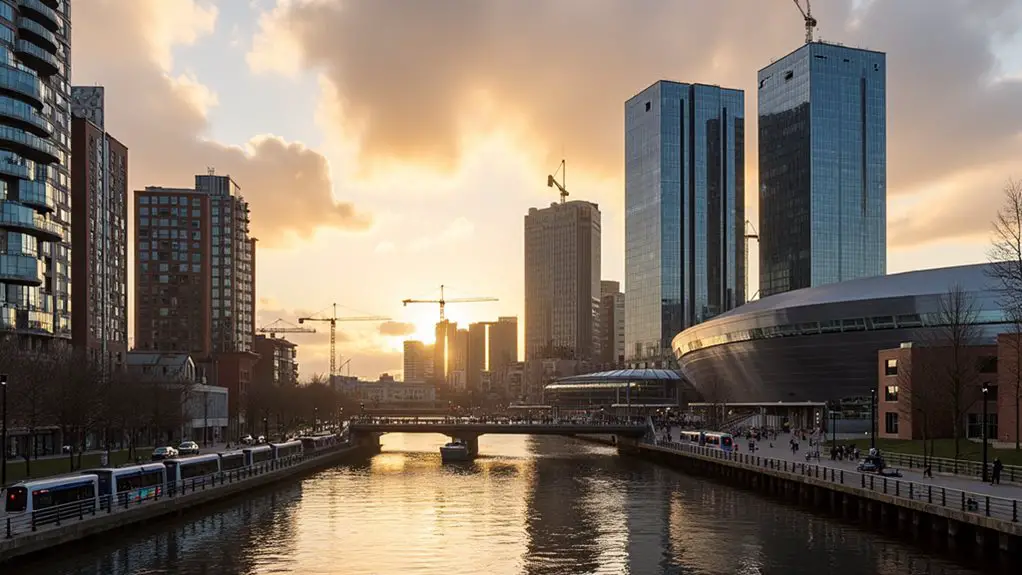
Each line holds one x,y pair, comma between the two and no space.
970,450
60,465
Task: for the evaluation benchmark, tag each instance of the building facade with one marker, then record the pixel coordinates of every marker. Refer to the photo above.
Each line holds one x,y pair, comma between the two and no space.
233,264
685,219
99,231
475,356
35,164
562,281
277,365
173,272
822,167
416,359
612,323
502,345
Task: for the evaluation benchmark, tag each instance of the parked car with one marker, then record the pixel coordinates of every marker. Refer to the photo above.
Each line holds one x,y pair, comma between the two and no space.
165,452
188,448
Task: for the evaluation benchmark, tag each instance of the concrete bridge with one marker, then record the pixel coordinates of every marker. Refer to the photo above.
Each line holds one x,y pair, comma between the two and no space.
469,431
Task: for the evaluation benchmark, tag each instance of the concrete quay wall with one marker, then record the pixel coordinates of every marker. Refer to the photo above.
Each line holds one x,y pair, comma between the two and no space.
945,525
28,544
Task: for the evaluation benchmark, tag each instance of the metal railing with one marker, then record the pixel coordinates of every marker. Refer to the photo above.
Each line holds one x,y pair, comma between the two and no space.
18,524
961,467
1003,508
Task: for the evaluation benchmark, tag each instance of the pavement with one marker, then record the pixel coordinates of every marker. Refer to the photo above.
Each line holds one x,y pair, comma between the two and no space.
781,451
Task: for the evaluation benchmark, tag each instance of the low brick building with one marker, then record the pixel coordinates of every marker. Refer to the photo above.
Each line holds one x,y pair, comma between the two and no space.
1009,386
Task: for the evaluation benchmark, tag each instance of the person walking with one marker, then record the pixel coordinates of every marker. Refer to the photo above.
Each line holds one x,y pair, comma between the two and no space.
995,477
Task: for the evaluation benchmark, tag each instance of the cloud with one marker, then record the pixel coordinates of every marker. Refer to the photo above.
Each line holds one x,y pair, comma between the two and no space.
127,47
396,329
458,229
556,74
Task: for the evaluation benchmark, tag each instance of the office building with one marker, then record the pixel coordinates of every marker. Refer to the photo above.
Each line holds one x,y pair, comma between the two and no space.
822,168
475,355
502,345
444,333
173,293
233,264
612,323
99,231
685,202
35,163
418,362
277,365
562,281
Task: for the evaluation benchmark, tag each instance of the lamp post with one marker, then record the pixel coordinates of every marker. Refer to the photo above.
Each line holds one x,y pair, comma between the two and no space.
266,429
315,418
833,429
873,418
3,433
986,391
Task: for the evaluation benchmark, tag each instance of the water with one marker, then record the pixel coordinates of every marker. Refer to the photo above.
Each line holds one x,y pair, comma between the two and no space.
530,505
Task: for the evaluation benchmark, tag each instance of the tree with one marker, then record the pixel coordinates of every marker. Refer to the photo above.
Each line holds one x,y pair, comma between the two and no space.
27,392
922,391
75,395
954,363
1006,258
715,393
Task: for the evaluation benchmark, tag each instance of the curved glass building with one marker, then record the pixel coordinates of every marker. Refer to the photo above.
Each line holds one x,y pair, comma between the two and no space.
821,343
35,211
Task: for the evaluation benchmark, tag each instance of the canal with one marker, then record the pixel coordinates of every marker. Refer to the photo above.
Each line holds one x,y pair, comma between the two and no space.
530,505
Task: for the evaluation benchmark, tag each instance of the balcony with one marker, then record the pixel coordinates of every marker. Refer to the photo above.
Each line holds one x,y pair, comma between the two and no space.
13,165
21,269
19,218
43,62
37,194
22,85
28,145
41,13
55,4
21,115
35,32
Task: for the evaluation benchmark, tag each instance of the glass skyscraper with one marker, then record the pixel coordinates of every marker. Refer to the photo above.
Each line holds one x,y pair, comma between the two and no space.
822,167
35,152
685,220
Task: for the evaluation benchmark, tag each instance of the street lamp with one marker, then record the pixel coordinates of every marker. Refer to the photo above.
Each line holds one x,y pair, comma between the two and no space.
3,433
873,418
986,391
266,429
315,418
833,429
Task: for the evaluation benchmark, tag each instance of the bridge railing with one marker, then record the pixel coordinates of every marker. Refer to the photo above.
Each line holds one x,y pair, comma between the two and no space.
1003,508
552,422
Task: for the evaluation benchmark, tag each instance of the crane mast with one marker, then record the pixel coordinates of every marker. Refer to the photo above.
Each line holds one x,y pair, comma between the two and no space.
333,332
807,15
551,180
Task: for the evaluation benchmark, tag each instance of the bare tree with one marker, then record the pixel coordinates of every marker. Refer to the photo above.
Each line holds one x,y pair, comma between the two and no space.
954,365
1006,258
923,393
715,394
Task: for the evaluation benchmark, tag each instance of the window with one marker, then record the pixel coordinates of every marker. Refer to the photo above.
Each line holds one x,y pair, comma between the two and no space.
891,423
891,393
987,364
974,427
891,367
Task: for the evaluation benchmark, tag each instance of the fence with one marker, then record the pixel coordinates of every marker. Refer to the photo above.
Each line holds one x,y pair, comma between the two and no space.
969,502
962,467
56,516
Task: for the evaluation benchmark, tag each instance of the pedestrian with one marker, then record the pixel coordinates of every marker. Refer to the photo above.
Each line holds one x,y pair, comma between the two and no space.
995,477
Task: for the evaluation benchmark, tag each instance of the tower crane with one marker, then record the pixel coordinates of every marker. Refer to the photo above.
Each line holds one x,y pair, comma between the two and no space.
333,331
443,302
282,326
551,180
750,234
807,14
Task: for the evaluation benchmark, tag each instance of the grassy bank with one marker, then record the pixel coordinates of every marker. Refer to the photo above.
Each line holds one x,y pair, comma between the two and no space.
60,465
969,450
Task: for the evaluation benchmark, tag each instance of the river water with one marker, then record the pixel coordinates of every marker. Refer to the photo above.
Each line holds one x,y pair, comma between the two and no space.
528,505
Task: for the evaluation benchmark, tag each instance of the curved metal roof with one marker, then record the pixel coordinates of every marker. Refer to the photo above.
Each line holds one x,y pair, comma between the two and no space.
972,278
622,375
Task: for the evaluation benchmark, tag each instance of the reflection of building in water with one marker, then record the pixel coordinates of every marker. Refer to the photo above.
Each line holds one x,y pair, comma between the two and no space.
647,519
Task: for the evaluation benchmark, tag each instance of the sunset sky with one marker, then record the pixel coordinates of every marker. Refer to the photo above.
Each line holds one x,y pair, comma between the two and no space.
388,147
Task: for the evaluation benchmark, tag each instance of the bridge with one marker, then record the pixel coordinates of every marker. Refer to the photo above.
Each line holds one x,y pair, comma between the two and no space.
469,431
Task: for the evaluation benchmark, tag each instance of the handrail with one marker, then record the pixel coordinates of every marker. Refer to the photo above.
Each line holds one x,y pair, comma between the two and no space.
948,466
20,524
1002,508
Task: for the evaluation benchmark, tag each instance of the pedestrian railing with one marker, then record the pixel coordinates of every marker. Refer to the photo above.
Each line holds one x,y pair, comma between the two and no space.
1003,508
962,467
17,524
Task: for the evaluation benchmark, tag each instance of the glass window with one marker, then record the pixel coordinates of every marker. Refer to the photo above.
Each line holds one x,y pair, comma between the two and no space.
891,393
891,423
891,367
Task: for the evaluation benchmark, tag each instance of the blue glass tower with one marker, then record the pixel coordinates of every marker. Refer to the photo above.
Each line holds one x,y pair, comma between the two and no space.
822,167
685,220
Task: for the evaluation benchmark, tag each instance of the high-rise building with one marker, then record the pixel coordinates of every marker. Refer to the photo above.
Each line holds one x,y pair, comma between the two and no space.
99,231
173,294
444,333
562,281
502,344
233,261
685,205
612,323
277,365
35,164
475,356
822,167
418,362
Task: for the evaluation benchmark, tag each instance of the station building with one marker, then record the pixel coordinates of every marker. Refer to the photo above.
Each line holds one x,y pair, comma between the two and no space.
621,389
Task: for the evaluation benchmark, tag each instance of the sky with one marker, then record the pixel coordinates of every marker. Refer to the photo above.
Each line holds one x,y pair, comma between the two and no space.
389,147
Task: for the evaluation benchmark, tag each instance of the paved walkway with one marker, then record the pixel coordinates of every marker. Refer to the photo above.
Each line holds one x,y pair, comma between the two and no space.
781,451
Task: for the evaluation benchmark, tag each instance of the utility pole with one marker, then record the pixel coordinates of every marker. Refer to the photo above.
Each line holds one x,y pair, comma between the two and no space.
3,433
986,391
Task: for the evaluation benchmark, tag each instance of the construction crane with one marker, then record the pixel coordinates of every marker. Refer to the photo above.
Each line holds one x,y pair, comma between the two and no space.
551,180
443,302
807,14
333,331
282,326
750,234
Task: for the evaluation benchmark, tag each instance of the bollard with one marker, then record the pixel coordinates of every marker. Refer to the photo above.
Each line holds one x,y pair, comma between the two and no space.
1014,511
943,497
842,477
988,505
963,501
